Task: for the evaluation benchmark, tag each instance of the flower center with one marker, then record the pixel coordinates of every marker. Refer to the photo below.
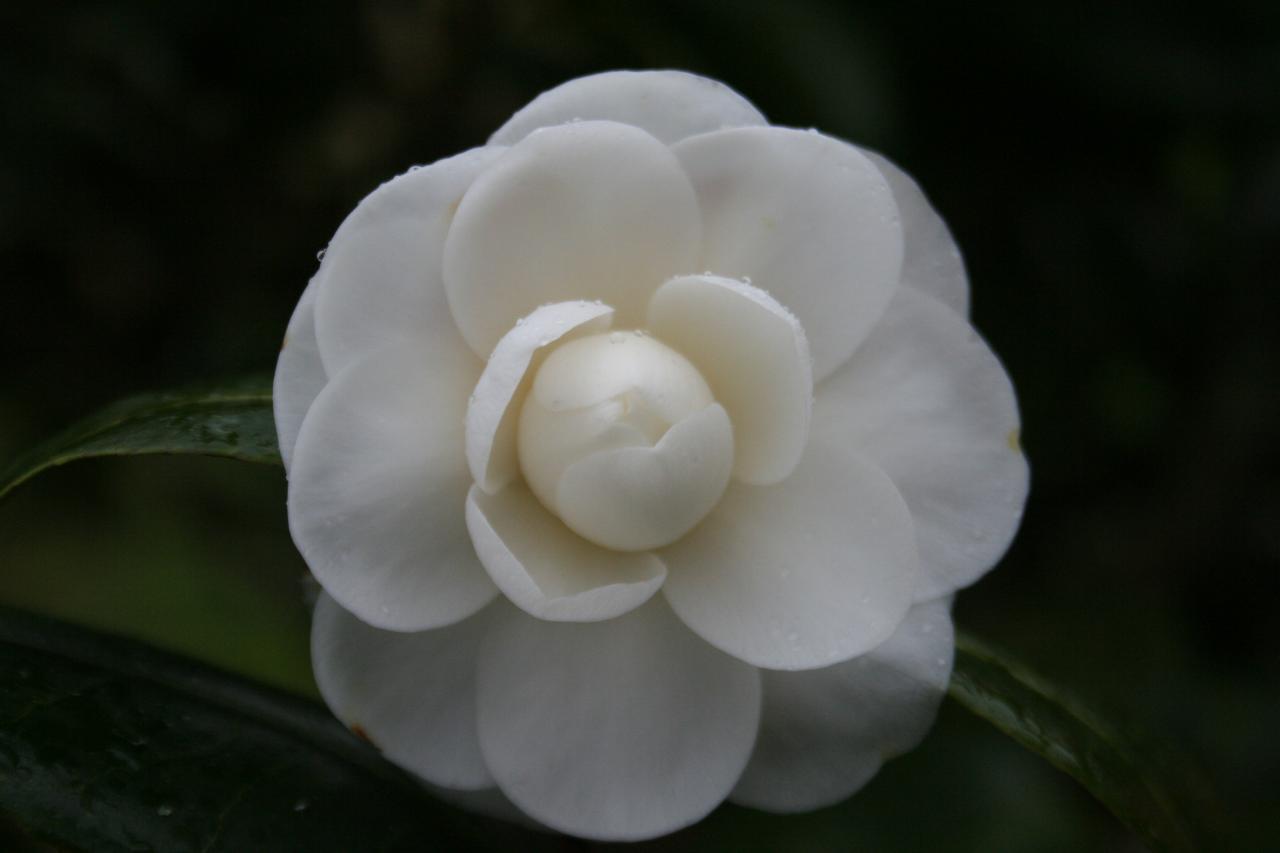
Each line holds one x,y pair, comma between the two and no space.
621,437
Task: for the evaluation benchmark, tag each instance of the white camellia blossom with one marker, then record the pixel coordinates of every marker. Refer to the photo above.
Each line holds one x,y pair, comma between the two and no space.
639,453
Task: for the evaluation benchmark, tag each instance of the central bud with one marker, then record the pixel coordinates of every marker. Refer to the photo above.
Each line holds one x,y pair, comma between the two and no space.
621,437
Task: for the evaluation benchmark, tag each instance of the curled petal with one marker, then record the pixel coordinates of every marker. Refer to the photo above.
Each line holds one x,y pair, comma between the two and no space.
594,210
378,489
546,569
927,401
668,104
411,694
381,275
824,733
807,573
494,410
807,218
754,355
299,374
931,261
617,730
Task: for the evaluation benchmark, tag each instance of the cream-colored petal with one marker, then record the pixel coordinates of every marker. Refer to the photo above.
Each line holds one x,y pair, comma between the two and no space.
378,488
754,355
494,410
381,277
668,104
807,573
807,218
546,569
592,210
927,401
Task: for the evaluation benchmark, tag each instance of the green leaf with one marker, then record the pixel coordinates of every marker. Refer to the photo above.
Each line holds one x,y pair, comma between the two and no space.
233,420
1132,785
106,744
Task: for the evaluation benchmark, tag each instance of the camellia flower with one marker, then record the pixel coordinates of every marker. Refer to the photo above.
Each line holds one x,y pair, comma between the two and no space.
639,453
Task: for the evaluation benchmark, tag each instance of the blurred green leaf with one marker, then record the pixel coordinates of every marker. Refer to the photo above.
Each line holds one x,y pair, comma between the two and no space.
233,420
106,744
1132,785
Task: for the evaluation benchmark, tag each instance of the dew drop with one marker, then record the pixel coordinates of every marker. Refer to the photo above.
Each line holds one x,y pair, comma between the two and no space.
320,254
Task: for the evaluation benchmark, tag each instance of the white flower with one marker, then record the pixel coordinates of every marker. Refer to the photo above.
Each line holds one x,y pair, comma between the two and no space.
639,453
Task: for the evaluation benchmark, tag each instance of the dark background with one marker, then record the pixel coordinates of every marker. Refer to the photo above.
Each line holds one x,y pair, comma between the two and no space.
169,171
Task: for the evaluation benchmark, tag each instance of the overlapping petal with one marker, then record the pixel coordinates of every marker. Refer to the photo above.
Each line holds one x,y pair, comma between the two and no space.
378,488
807,573
381,276
617,730
824,733
299,374
671,105
925,399
547,570
807,218
590,210
413,695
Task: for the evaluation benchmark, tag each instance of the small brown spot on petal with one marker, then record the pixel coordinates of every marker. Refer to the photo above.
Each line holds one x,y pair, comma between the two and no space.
358,731
1015,440
453,208
284,343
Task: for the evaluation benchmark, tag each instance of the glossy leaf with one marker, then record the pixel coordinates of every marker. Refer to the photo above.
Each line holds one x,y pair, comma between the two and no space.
233,420
1132,785
106,744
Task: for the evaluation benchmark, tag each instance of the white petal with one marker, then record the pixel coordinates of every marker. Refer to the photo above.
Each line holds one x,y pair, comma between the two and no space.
494,410
382,275
668,104
379,485
928,402
825,732
931,261
636,498
807,573
593,210
546,569
299,374
410,694
755,356
617,730
807,218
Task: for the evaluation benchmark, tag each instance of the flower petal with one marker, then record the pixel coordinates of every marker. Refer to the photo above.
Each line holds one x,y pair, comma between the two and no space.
806,217
494,411
668,104
755,356
411,694
549,571
617,730
807,573
931,261
299,374
824,733
595,210
378,487
381,275
928,402
635,498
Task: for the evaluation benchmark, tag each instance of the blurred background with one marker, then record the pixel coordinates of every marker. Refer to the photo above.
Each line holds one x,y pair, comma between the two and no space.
168,173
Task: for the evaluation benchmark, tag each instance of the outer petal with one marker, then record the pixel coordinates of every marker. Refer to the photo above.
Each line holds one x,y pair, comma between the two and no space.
927,401
299,374
824,733
546,569
806,217
668,104
595,210
494,410
378,487
617,730
411,695
755,356
931,261
381,276
811,572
